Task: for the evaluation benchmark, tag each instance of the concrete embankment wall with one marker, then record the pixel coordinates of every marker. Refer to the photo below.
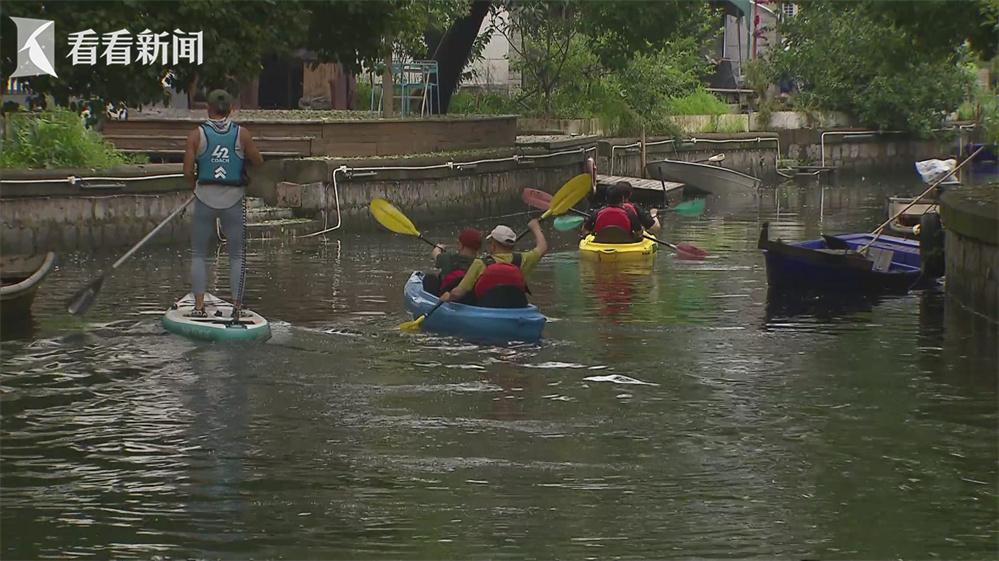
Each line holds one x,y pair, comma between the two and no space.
757,153
442,192
53,214
971,218
50,212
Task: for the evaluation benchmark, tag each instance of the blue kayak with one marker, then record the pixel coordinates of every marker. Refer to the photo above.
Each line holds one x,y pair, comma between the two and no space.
473,322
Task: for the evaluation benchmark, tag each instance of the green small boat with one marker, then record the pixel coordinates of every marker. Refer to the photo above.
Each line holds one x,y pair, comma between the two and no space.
218,326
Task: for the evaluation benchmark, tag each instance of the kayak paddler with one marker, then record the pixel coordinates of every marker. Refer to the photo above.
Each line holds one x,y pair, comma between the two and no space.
215,165
622,215
498,279
453,265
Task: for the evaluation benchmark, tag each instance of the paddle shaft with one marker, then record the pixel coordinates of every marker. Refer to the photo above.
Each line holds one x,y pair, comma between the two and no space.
877,231
434,309
528,231
150,235
664,242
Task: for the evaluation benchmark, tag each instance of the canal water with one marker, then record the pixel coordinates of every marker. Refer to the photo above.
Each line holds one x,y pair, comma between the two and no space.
677,411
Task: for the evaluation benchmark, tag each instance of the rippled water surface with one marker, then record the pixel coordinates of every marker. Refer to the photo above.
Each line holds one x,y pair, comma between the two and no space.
672,412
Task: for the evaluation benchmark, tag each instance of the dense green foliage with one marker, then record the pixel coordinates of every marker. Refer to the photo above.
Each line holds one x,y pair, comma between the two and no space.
700,102
237,35
54,139
587,59
644,93
854,57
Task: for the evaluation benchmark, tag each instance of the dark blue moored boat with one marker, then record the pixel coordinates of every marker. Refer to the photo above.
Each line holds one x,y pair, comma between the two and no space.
986,162
832,263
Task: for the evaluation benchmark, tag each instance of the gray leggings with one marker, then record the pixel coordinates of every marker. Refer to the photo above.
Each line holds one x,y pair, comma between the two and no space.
202,233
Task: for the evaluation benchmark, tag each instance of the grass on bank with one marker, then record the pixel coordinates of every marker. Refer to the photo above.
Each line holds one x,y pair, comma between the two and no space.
55,139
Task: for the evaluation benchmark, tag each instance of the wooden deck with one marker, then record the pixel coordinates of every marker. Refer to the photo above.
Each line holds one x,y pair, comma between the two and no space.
650,189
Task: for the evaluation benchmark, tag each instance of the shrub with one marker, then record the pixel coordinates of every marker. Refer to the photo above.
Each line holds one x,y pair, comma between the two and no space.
55,139
847,59
700,102
475,102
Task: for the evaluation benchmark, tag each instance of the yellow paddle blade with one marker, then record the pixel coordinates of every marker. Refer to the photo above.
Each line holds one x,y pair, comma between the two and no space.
568,195
413,325
392,218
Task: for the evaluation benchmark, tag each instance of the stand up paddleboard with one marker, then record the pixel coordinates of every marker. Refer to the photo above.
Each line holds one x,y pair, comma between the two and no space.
218,326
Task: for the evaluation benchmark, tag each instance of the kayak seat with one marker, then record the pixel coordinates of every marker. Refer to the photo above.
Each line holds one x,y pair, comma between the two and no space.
612,235
503,296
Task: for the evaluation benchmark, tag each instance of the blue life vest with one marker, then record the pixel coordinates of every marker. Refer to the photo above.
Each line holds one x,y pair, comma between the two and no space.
219,164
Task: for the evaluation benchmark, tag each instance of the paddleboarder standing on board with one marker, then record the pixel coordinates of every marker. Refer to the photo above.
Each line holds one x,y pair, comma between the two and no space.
215,165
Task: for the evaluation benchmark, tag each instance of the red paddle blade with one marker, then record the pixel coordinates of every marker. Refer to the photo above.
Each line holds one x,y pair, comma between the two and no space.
687,251
536,198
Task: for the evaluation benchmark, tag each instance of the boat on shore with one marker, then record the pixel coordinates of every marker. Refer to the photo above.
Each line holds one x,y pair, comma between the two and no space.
473,322
833,263
21,276
704,177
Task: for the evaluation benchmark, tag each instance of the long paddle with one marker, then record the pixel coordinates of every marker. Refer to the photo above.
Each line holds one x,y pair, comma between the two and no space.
85,297
880,229
566,223
693,207
537,198
394,220
562,201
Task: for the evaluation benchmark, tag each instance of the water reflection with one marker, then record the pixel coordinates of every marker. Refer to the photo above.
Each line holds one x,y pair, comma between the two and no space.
676,410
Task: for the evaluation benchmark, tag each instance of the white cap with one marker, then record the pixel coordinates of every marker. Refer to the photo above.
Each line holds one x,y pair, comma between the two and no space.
503,234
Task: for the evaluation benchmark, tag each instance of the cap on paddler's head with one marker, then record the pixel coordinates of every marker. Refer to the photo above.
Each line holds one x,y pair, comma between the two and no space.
470,238
503,234
219,102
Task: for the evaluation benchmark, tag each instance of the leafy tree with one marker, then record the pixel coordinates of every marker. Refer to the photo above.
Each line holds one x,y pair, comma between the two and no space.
850,58
620,30
237,35
452,39
940,25
541,32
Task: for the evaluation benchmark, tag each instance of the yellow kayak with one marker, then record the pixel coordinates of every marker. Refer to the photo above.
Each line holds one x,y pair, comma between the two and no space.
644,250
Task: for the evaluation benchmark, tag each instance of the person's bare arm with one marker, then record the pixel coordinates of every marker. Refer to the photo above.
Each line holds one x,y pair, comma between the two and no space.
190,151
541,244
250,147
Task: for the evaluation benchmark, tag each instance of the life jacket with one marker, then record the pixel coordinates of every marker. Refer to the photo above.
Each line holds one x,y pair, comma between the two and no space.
616,216
219,164
497,274
451,279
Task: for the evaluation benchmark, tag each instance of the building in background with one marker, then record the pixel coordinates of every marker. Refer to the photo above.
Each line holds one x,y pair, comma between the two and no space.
493,71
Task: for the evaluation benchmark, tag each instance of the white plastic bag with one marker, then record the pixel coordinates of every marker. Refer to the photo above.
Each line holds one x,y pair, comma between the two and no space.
932,170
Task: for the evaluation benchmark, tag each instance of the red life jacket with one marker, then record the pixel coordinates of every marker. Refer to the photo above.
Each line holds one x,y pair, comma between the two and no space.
500,274
630,208
451,280
616,216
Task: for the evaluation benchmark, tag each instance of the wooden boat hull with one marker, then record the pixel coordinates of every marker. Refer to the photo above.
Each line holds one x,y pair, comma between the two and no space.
833,264
22,275
704,177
